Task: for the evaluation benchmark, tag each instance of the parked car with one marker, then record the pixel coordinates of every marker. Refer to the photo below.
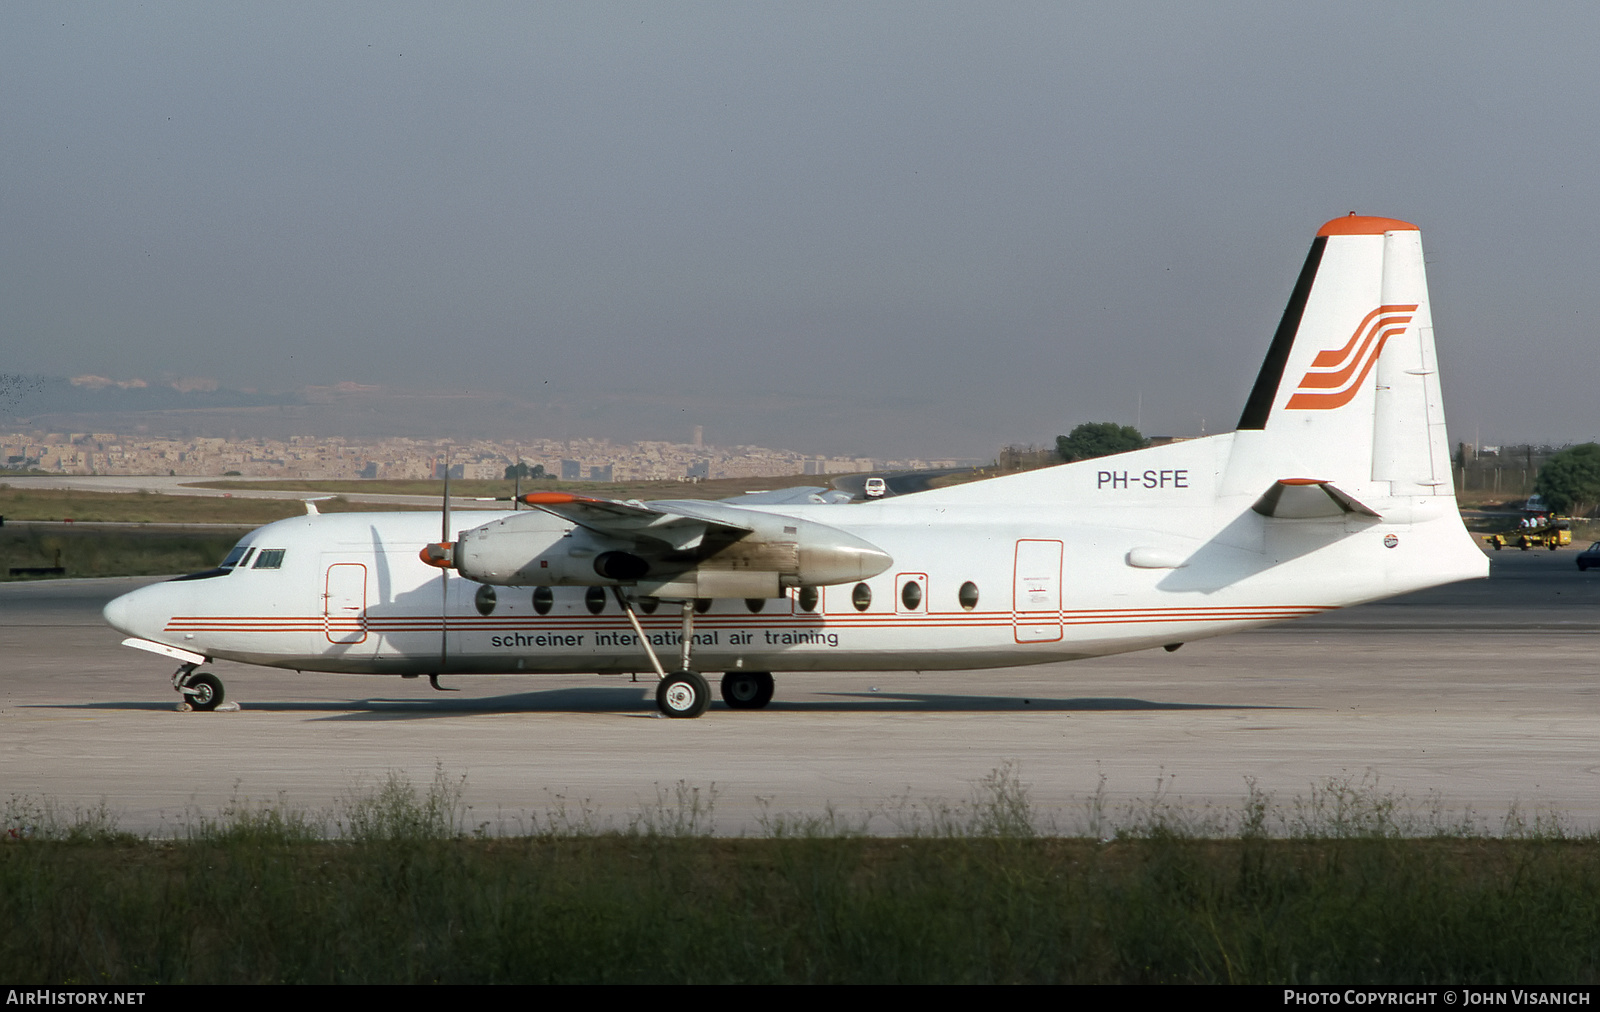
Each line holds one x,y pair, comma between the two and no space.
1589,558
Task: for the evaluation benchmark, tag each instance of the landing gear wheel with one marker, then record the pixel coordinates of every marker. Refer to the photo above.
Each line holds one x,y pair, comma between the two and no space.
206,691
747,690
683,694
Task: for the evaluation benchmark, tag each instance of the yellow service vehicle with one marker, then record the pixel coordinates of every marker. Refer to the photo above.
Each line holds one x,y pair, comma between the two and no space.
1542,532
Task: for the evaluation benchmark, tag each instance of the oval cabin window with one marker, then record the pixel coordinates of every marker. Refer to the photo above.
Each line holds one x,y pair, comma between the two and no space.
861,597
484,600
968,595
911,595
543,600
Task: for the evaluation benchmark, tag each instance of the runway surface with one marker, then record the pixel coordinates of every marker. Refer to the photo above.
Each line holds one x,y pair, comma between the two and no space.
1473,698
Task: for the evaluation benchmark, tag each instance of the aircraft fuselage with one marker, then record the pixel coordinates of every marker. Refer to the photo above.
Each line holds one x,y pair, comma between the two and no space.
1143,564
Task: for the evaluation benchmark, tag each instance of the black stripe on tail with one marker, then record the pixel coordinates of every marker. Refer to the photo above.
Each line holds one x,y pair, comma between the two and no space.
1265,391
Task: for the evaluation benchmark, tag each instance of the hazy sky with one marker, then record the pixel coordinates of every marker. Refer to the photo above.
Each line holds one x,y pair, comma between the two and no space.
925,228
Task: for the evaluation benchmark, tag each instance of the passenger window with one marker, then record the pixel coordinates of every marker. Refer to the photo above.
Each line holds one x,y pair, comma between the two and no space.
543,599
702,605
968,595
861,597
911,595
648,604
270,558
755,604
595,600
484,600
807,598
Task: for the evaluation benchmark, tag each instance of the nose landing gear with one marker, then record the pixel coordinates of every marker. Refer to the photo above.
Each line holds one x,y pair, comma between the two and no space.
201,689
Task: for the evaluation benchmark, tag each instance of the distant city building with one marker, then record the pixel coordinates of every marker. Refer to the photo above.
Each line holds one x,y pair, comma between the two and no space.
310,458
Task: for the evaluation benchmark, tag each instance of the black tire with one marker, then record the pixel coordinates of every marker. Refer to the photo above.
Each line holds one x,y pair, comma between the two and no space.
747,690
683,694
207,694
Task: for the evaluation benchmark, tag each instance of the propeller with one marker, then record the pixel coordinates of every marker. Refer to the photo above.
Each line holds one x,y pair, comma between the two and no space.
447,554
442,555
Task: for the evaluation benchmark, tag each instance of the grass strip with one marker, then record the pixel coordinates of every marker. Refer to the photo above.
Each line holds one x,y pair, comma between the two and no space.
87,551
156,508
391,888
637,909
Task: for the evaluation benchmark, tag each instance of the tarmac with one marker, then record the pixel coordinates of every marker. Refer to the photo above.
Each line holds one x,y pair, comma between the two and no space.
1465,703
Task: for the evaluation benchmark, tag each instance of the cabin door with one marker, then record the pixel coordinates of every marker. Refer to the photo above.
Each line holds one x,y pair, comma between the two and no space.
1036,592
344,603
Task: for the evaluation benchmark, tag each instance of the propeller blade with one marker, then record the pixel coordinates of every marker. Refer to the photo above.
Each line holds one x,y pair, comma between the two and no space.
444,516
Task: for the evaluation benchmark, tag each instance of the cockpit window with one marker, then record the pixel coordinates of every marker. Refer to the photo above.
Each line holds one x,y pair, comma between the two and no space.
236,557
270,558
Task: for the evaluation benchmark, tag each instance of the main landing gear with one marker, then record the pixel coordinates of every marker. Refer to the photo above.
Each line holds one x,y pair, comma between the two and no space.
747,690
201,689
685,692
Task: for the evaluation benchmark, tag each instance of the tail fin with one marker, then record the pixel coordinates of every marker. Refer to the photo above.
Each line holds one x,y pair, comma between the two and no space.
1349,390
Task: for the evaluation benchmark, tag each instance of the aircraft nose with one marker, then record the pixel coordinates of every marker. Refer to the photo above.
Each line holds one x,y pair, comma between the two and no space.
130,613
117,614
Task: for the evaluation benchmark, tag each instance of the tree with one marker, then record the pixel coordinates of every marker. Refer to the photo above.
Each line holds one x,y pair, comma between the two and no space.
521,469
1570,480
1099,439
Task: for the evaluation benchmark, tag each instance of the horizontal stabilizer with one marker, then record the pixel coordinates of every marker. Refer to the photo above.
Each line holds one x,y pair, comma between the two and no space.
1307,499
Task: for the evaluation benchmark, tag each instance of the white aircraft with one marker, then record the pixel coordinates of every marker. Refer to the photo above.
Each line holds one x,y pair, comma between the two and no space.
1336,489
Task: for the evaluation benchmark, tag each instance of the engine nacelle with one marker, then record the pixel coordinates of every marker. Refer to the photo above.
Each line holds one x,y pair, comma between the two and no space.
775,553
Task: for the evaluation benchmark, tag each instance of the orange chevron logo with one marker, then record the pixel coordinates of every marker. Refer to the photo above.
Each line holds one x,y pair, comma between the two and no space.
1335,376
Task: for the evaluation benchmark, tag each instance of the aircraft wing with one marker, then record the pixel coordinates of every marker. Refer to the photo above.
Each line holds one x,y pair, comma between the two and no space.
680,525
802,495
